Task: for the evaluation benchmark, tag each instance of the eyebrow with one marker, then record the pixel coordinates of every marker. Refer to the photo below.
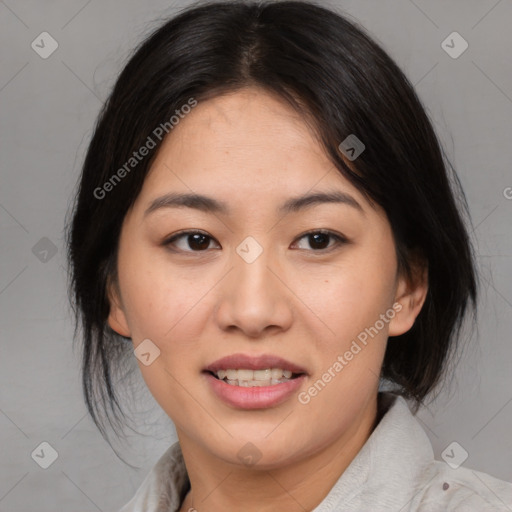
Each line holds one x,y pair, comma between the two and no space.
211,205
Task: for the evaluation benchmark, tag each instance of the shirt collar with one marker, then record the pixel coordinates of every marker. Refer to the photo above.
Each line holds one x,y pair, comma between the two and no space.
389,465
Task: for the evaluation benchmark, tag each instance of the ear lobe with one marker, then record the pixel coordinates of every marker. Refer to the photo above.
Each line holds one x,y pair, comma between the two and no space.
116,317
411,294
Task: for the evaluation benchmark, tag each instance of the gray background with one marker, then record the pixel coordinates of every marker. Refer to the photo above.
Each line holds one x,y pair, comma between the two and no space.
48,108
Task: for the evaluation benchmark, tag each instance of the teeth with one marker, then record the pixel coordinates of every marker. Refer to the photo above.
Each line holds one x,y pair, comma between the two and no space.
250,378
262,374
245,375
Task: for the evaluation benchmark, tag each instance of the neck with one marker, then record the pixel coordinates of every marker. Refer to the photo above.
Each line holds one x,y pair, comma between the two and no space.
297,486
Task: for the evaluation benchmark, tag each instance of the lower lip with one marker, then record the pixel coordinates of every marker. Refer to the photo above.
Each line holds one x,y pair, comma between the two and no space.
257,397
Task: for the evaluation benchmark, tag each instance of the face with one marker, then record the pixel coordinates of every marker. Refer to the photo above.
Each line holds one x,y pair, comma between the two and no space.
257,279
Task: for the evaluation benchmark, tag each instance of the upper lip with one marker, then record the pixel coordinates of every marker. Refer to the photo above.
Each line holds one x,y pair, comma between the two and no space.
260,362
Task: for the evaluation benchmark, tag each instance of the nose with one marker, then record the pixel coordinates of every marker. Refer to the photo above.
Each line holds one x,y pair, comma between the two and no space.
254,298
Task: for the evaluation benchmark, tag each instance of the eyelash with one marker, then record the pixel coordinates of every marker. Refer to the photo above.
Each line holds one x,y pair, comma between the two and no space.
339,239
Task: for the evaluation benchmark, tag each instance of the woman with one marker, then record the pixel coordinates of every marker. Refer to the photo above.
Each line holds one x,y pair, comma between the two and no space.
265,216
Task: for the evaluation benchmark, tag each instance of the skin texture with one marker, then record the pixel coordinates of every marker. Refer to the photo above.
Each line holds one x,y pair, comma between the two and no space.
303,303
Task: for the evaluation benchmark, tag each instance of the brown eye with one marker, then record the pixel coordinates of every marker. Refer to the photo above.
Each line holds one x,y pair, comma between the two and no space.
319,240
197,241
193,241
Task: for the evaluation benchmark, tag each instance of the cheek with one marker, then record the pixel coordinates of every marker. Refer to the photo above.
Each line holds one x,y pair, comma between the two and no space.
350,299
352,349
153,301
350,296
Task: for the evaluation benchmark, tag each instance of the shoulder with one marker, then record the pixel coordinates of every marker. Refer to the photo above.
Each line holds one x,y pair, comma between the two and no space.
461,490
401,473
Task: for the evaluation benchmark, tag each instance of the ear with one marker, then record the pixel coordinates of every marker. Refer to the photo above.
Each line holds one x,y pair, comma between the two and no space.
411,293
116,317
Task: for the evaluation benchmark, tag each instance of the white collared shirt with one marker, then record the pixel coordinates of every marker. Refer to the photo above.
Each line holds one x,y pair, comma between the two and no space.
395,471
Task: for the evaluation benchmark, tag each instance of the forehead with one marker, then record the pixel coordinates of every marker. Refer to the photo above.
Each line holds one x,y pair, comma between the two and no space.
248,146
241,126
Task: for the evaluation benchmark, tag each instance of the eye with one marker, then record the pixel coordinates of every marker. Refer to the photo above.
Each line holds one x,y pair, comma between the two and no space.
319,240
195,240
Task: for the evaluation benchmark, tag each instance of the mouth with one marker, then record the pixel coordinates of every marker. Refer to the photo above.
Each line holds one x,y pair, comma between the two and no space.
255,378
248,383
254,371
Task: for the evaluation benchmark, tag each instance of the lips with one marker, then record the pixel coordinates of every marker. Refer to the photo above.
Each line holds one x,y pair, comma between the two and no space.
242,394
260,362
